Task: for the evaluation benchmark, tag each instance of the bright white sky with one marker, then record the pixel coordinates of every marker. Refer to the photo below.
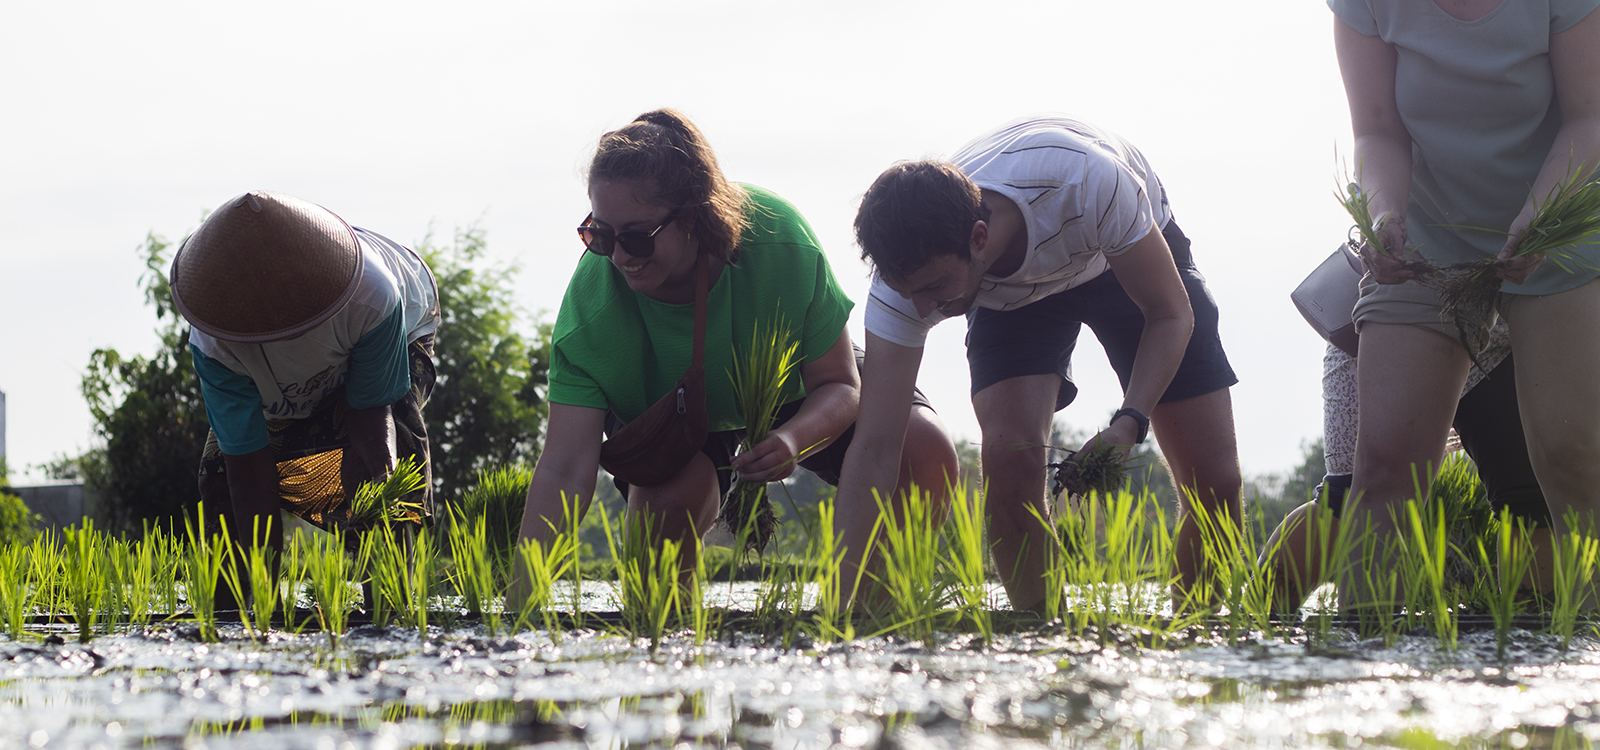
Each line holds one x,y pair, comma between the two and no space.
120,119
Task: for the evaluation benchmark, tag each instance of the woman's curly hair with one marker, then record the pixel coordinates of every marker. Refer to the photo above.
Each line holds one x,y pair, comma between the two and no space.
664,150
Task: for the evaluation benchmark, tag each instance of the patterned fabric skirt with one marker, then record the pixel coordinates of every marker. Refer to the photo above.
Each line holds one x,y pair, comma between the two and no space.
312,453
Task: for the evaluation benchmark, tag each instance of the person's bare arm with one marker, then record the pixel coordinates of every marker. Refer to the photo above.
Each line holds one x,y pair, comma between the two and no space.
567,466
1382,143
369,441
833,390
565,473
872,464
1146,272
1575,63
253,488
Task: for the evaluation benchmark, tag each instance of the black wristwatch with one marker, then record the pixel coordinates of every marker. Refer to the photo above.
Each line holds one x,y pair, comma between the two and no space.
1138,416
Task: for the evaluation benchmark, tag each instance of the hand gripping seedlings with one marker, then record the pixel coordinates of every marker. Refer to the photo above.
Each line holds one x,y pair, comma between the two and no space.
1469,291
759,374
1099,469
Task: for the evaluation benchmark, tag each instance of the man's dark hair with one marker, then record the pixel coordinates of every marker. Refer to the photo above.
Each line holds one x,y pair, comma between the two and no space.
914,212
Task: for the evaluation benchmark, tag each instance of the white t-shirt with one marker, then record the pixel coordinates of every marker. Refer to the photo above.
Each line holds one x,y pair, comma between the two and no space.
1084,193
294,375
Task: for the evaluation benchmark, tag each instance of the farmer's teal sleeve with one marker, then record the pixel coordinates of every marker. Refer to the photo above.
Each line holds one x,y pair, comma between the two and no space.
233,405
380,373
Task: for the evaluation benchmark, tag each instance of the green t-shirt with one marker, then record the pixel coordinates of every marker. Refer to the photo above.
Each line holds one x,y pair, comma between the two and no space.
620,350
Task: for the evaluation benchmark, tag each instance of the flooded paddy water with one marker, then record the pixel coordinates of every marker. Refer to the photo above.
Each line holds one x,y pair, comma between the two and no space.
1035,685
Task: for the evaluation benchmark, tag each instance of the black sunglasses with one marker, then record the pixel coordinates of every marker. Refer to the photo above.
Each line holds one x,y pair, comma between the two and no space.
636,242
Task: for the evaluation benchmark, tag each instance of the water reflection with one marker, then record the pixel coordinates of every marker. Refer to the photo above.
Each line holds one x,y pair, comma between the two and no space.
388,688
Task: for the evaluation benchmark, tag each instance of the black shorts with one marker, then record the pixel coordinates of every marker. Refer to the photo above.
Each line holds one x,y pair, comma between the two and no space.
721,447
1039,338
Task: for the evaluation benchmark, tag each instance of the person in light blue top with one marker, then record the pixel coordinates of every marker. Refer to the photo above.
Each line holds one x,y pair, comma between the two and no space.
1466,112
312,341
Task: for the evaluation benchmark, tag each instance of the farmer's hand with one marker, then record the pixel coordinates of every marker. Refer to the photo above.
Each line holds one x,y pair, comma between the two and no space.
1122,434
771,460
1513,269
1389,267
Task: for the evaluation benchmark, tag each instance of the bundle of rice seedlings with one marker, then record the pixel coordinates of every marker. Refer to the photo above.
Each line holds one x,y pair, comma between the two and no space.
498,498
384,500
759,374
1358,203
1569,215
1099,469
1469,291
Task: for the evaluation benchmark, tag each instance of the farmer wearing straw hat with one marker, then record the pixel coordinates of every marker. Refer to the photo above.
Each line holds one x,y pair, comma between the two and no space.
313,341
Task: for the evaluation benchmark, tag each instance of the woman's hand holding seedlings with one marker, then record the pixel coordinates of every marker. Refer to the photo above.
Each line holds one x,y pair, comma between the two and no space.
1389,266
771,460
1513,269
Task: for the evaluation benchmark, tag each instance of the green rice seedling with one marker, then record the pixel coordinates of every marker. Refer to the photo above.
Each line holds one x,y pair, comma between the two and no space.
966,556
86,576
1236,580
135,568
544,566
779,599
473,570
910,575
16,600
46,562
1504,570
1069,535
260,570
498,498
1371,585
1427,543
164,551
202,568
421,577
831,620
1576,558
759,375
647,577
402,583
695,612
382,502
381,567
329,570
1568,215
296,558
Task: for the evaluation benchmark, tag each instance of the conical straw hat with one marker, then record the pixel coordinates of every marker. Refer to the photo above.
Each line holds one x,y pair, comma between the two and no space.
265,267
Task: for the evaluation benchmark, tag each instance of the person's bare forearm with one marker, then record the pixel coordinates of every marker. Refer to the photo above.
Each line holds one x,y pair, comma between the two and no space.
369,441
566,470
1383,169
1161,349
872,464
253,487
827,411
551,490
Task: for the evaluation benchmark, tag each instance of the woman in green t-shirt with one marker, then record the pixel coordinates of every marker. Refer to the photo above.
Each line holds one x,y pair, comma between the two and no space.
624,335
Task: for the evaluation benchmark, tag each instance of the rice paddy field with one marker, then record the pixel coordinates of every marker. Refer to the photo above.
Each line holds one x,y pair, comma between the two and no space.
403,641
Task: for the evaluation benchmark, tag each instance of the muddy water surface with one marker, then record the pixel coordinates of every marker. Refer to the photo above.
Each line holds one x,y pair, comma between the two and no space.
390,688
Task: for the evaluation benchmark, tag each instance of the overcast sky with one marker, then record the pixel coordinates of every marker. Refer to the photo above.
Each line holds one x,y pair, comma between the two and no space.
120,119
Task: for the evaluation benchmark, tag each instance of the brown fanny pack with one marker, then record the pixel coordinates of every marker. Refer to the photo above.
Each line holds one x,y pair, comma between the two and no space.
657,444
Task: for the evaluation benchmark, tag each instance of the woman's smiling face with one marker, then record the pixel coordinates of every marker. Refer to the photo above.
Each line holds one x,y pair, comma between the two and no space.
667,275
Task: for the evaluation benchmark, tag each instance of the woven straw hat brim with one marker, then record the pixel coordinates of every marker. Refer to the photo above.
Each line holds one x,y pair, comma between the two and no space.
265,267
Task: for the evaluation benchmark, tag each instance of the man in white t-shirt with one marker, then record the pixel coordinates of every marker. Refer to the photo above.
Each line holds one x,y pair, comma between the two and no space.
313,343
1031,232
